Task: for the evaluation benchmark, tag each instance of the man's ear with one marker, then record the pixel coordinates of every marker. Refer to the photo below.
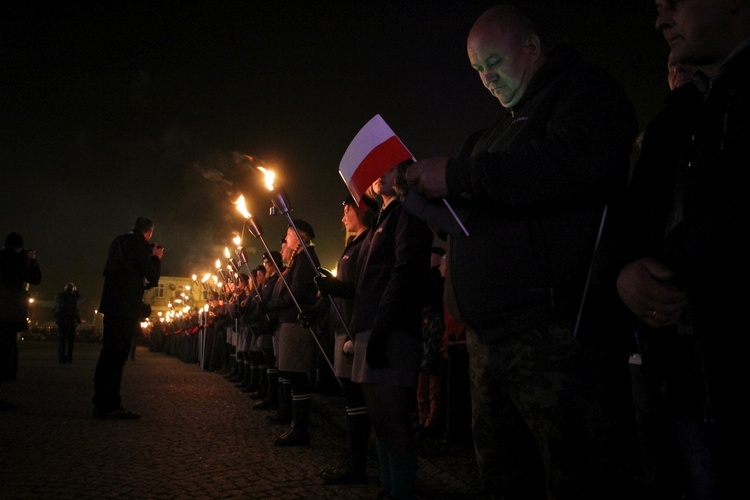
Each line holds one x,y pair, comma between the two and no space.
533,44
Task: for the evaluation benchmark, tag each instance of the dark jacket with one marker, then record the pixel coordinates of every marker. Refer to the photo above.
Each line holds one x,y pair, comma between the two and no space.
637,223
66,309
689,210
708,247
256,313
16,271
299,276
130,265
392,273
346,271
533,188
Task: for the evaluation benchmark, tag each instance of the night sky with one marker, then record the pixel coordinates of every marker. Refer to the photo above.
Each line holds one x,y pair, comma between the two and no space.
111,112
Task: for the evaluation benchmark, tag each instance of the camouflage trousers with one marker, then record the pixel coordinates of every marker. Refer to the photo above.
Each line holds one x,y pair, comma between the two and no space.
544,416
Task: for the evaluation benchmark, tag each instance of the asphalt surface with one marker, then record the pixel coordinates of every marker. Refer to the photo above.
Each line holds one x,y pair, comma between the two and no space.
198,438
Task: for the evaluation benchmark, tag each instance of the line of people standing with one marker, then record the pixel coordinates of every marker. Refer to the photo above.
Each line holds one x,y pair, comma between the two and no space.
544,195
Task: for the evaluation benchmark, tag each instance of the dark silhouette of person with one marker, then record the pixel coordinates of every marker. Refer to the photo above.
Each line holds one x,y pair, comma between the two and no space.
67,317
18,270
131,263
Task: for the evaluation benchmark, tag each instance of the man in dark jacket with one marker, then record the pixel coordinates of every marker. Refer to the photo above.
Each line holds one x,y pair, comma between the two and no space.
67,317
531,191
687,280
18,269
131,264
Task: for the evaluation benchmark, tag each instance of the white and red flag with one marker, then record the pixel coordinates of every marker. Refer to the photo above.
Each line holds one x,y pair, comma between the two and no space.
374,151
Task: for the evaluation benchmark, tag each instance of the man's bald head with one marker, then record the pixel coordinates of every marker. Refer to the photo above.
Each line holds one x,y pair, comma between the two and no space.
505,48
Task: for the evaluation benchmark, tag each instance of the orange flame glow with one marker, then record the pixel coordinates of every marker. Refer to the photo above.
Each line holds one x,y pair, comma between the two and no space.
269,177
241,207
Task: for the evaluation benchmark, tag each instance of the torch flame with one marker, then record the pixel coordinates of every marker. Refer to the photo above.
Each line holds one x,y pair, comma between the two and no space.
226,252
237,240
218,263
241,207
206,277
269,176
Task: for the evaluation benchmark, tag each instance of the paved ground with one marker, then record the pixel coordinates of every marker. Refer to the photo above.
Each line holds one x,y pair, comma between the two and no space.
198,438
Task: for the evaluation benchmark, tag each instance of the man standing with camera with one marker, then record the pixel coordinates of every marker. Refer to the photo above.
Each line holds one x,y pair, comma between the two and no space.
131,263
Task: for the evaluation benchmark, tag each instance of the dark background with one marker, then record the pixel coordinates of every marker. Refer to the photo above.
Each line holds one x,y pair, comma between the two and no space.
115,111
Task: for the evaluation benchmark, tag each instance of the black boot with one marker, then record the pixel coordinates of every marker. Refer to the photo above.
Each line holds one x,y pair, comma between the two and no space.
232,367
403,473
271,400
240,369
283,415
353,467
298,434
247,371
262,383
252,380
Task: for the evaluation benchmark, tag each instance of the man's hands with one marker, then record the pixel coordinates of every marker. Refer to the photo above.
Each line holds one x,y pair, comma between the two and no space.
643,285
157,251
329,285
377,356
428,177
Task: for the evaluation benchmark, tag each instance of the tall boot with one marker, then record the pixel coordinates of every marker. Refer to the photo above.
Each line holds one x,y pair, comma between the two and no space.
240,373
246,373
252,380
238,367
262,383
298,433
232,367
353,467
283,415
384,463
403,474
271,400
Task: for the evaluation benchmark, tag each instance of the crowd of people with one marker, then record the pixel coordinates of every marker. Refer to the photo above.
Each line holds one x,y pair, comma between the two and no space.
596,302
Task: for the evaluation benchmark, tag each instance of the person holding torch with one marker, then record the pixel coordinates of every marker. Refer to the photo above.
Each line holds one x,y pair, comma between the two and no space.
296,346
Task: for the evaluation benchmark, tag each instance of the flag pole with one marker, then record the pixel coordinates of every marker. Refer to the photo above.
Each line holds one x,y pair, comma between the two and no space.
375,150
455,216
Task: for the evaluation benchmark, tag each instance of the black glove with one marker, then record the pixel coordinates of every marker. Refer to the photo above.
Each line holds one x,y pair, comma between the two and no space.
377,356
257,310
309,317
329,285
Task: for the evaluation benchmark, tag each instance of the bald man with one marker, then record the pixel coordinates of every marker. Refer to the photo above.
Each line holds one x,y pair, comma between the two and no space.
532,188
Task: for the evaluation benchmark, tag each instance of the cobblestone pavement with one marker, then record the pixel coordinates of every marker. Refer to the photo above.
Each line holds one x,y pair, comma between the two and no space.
198,438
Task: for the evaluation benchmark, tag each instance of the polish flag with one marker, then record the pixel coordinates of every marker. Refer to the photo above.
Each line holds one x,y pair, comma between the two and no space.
374,151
